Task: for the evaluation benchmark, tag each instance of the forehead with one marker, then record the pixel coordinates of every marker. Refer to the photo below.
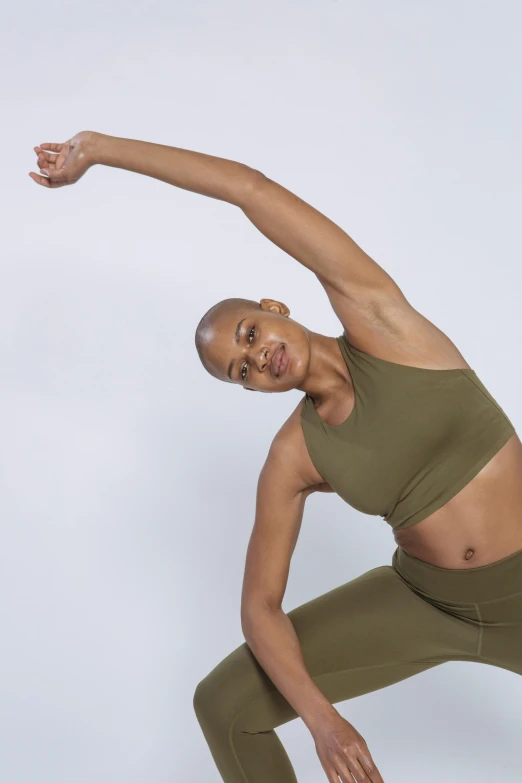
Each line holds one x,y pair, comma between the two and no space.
220,338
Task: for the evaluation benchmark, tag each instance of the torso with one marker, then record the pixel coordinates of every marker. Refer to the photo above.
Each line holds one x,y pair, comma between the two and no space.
481,524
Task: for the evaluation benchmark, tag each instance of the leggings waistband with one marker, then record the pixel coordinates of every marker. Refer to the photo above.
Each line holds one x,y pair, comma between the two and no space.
462,585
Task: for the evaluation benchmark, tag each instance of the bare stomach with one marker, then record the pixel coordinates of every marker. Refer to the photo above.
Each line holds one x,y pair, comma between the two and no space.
479,525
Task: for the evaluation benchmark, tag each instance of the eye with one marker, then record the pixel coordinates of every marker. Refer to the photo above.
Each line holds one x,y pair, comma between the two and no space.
250,341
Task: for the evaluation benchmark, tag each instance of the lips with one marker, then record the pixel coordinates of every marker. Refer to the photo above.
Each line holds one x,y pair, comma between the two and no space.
278,361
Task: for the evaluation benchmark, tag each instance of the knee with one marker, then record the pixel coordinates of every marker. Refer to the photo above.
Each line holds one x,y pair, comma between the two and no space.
206,695
234,682
217,695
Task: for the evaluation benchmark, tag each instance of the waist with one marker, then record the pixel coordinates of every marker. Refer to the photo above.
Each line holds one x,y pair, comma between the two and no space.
480,524
484,583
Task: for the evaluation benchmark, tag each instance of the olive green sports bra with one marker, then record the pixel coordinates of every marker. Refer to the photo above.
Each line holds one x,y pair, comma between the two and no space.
414,438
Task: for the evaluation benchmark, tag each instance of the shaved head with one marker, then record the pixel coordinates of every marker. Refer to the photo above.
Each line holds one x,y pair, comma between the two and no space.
254,344
206,329
257,346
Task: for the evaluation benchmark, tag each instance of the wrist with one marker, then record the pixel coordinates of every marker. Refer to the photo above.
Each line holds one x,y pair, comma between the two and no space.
316,721
96,147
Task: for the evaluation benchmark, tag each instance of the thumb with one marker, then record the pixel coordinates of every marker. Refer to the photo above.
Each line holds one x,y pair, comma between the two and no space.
55,174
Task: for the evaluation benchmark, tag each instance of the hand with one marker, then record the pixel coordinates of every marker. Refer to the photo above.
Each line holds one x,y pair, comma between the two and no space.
343,752
71,161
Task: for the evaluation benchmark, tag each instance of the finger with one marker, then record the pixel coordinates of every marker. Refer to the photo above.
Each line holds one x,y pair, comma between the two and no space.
39,179
344,777
54,174
46,157
332,775
350,770
45,181
368,765
51,147
60,160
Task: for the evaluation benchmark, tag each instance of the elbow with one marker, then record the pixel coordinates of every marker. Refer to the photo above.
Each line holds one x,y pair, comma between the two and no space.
251,613
251,185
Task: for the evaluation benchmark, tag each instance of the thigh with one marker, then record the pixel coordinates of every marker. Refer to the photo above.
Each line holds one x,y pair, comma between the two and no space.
361,636
501,641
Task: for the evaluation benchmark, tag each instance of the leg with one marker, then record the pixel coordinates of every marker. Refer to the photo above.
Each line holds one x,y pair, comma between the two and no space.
501,639
364,635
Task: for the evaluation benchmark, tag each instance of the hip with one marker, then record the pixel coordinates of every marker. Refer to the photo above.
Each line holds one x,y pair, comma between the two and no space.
488,583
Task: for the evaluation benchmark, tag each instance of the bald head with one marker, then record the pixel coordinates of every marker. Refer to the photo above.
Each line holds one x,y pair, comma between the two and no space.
207,327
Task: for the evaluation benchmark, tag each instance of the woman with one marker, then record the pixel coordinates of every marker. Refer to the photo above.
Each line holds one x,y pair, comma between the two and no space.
398,424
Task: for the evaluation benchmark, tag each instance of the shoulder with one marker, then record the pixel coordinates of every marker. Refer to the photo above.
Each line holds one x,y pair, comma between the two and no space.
384,324
288,454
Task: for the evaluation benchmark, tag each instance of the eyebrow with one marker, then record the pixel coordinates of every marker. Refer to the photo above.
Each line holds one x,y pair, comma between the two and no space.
238,329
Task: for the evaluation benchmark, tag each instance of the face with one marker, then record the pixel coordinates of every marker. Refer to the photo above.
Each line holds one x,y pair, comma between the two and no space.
244,343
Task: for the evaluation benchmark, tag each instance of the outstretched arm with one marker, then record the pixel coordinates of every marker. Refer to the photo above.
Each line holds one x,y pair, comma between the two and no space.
314,240
289,222
226,180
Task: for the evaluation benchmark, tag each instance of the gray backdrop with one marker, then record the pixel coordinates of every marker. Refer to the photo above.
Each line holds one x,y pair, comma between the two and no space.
128,474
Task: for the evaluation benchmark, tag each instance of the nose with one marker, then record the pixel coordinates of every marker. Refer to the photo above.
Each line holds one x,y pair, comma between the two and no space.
264,358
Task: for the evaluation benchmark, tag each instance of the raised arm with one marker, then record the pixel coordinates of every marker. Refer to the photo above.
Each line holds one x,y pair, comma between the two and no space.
288,221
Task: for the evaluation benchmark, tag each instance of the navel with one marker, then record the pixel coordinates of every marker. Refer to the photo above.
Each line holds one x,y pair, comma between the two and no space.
469,554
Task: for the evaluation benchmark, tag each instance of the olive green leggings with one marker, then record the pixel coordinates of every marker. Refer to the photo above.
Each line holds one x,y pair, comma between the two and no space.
383,626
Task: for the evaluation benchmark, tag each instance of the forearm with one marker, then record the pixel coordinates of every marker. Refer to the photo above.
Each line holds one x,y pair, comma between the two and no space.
219,178
273,641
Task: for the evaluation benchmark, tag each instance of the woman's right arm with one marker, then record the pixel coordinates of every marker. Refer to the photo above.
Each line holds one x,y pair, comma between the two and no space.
267,629
269,632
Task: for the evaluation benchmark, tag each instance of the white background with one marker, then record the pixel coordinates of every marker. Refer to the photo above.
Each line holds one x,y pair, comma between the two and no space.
128,474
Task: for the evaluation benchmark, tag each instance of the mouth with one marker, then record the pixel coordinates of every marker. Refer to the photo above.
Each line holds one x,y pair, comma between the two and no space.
279,362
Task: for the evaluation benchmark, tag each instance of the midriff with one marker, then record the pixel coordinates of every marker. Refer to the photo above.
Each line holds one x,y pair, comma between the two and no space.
481,524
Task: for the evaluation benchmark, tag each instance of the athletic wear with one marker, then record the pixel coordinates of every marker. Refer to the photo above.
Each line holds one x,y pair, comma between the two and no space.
414,439
382,627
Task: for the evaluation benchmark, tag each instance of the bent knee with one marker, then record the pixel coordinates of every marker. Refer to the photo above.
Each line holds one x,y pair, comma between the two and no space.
229,686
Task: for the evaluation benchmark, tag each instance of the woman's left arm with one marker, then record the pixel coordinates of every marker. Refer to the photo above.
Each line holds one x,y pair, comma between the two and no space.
289,222
299,229
219,178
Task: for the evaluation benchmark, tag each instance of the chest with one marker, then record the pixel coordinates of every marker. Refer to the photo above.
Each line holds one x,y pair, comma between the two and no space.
398,436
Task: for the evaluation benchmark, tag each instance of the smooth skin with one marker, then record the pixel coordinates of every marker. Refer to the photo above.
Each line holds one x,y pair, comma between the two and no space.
484,519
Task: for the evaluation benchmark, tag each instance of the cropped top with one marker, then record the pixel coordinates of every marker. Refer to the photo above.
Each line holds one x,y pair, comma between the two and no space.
414,438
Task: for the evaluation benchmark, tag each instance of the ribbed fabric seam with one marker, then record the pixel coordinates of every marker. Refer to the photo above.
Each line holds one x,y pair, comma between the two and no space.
325,674
481,632
232,748
502,597
428,594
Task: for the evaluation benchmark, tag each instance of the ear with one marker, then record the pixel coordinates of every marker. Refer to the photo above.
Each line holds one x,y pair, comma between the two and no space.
273,306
